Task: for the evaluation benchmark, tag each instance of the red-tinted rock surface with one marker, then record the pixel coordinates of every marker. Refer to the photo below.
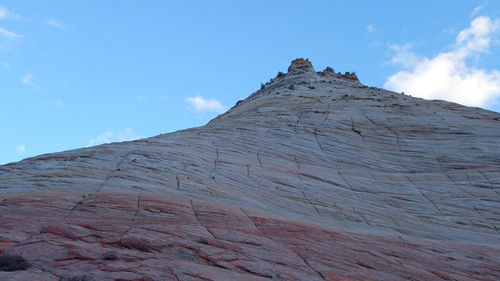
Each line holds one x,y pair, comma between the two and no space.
314,177
349,76
155,237
300,64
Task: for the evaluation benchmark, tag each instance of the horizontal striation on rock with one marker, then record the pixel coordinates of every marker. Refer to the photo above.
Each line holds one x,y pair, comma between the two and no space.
313,177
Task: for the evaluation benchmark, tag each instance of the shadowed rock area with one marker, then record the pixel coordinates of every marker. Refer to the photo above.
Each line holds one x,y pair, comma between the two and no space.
313,177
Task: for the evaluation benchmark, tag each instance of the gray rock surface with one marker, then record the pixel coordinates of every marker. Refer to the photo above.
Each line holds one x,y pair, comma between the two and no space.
327,151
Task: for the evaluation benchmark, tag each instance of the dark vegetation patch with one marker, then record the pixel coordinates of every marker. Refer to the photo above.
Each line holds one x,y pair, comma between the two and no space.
109,256
12,263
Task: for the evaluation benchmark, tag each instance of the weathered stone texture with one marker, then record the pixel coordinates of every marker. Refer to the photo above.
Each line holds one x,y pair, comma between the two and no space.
325,180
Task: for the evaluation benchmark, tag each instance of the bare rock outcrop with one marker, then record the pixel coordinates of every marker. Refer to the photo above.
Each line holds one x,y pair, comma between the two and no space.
313,177
299,65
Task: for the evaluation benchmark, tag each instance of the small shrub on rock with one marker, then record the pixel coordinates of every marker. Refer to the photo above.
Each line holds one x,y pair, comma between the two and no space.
12,263
110,256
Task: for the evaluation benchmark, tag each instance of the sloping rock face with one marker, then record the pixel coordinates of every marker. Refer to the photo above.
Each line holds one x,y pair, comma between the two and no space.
313,177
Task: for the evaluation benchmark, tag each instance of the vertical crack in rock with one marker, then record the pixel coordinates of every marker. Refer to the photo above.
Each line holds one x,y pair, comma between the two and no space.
173,273
317,140
198,220
178,182
108,177
297,122
397,138
488,180
432,202
138,207
353,128
384,126
472,195
364,218
485,218
258,158
216,159
423,194
284,245
457,186
299,172
348,185
246,214
311,203
132,221
111,174
312,268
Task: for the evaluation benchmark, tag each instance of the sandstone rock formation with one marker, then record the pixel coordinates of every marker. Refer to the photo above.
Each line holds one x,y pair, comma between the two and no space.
313,177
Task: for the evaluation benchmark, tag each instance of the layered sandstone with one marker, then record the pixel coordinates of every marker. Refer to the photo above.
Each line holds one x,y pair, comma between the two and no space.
313,177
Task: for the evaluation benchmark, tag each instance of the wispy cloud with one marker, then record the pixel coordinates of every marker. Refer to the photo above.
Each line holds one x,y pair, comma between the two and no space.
21,149
205,105
448,75
54,23
113,136
6,65
57,104
27,79
3,13
6,14
403,56
477,10
449,31
9,34
370,28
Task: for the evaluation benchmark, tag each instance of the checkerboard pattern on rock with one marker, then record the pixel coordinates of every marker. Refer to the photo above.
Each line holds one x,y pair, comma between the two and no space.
313,177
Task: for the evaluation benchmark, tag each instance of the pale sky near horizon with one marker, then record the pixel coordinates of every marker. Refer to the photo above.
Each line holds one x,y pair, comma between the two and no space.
83,73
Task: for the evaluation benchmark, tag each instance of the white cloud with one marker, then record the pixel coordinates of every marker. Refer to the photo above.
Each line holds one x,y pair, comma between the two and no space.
21,149
27,79
403,56
113,136
3,13
370,28
52,22
476,10
6,65
205,105
9,34
448,75
6,14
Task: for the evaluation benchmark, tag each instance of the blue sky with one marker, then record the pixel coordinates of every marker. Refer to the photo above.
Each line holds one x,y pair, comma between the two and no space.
81,73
